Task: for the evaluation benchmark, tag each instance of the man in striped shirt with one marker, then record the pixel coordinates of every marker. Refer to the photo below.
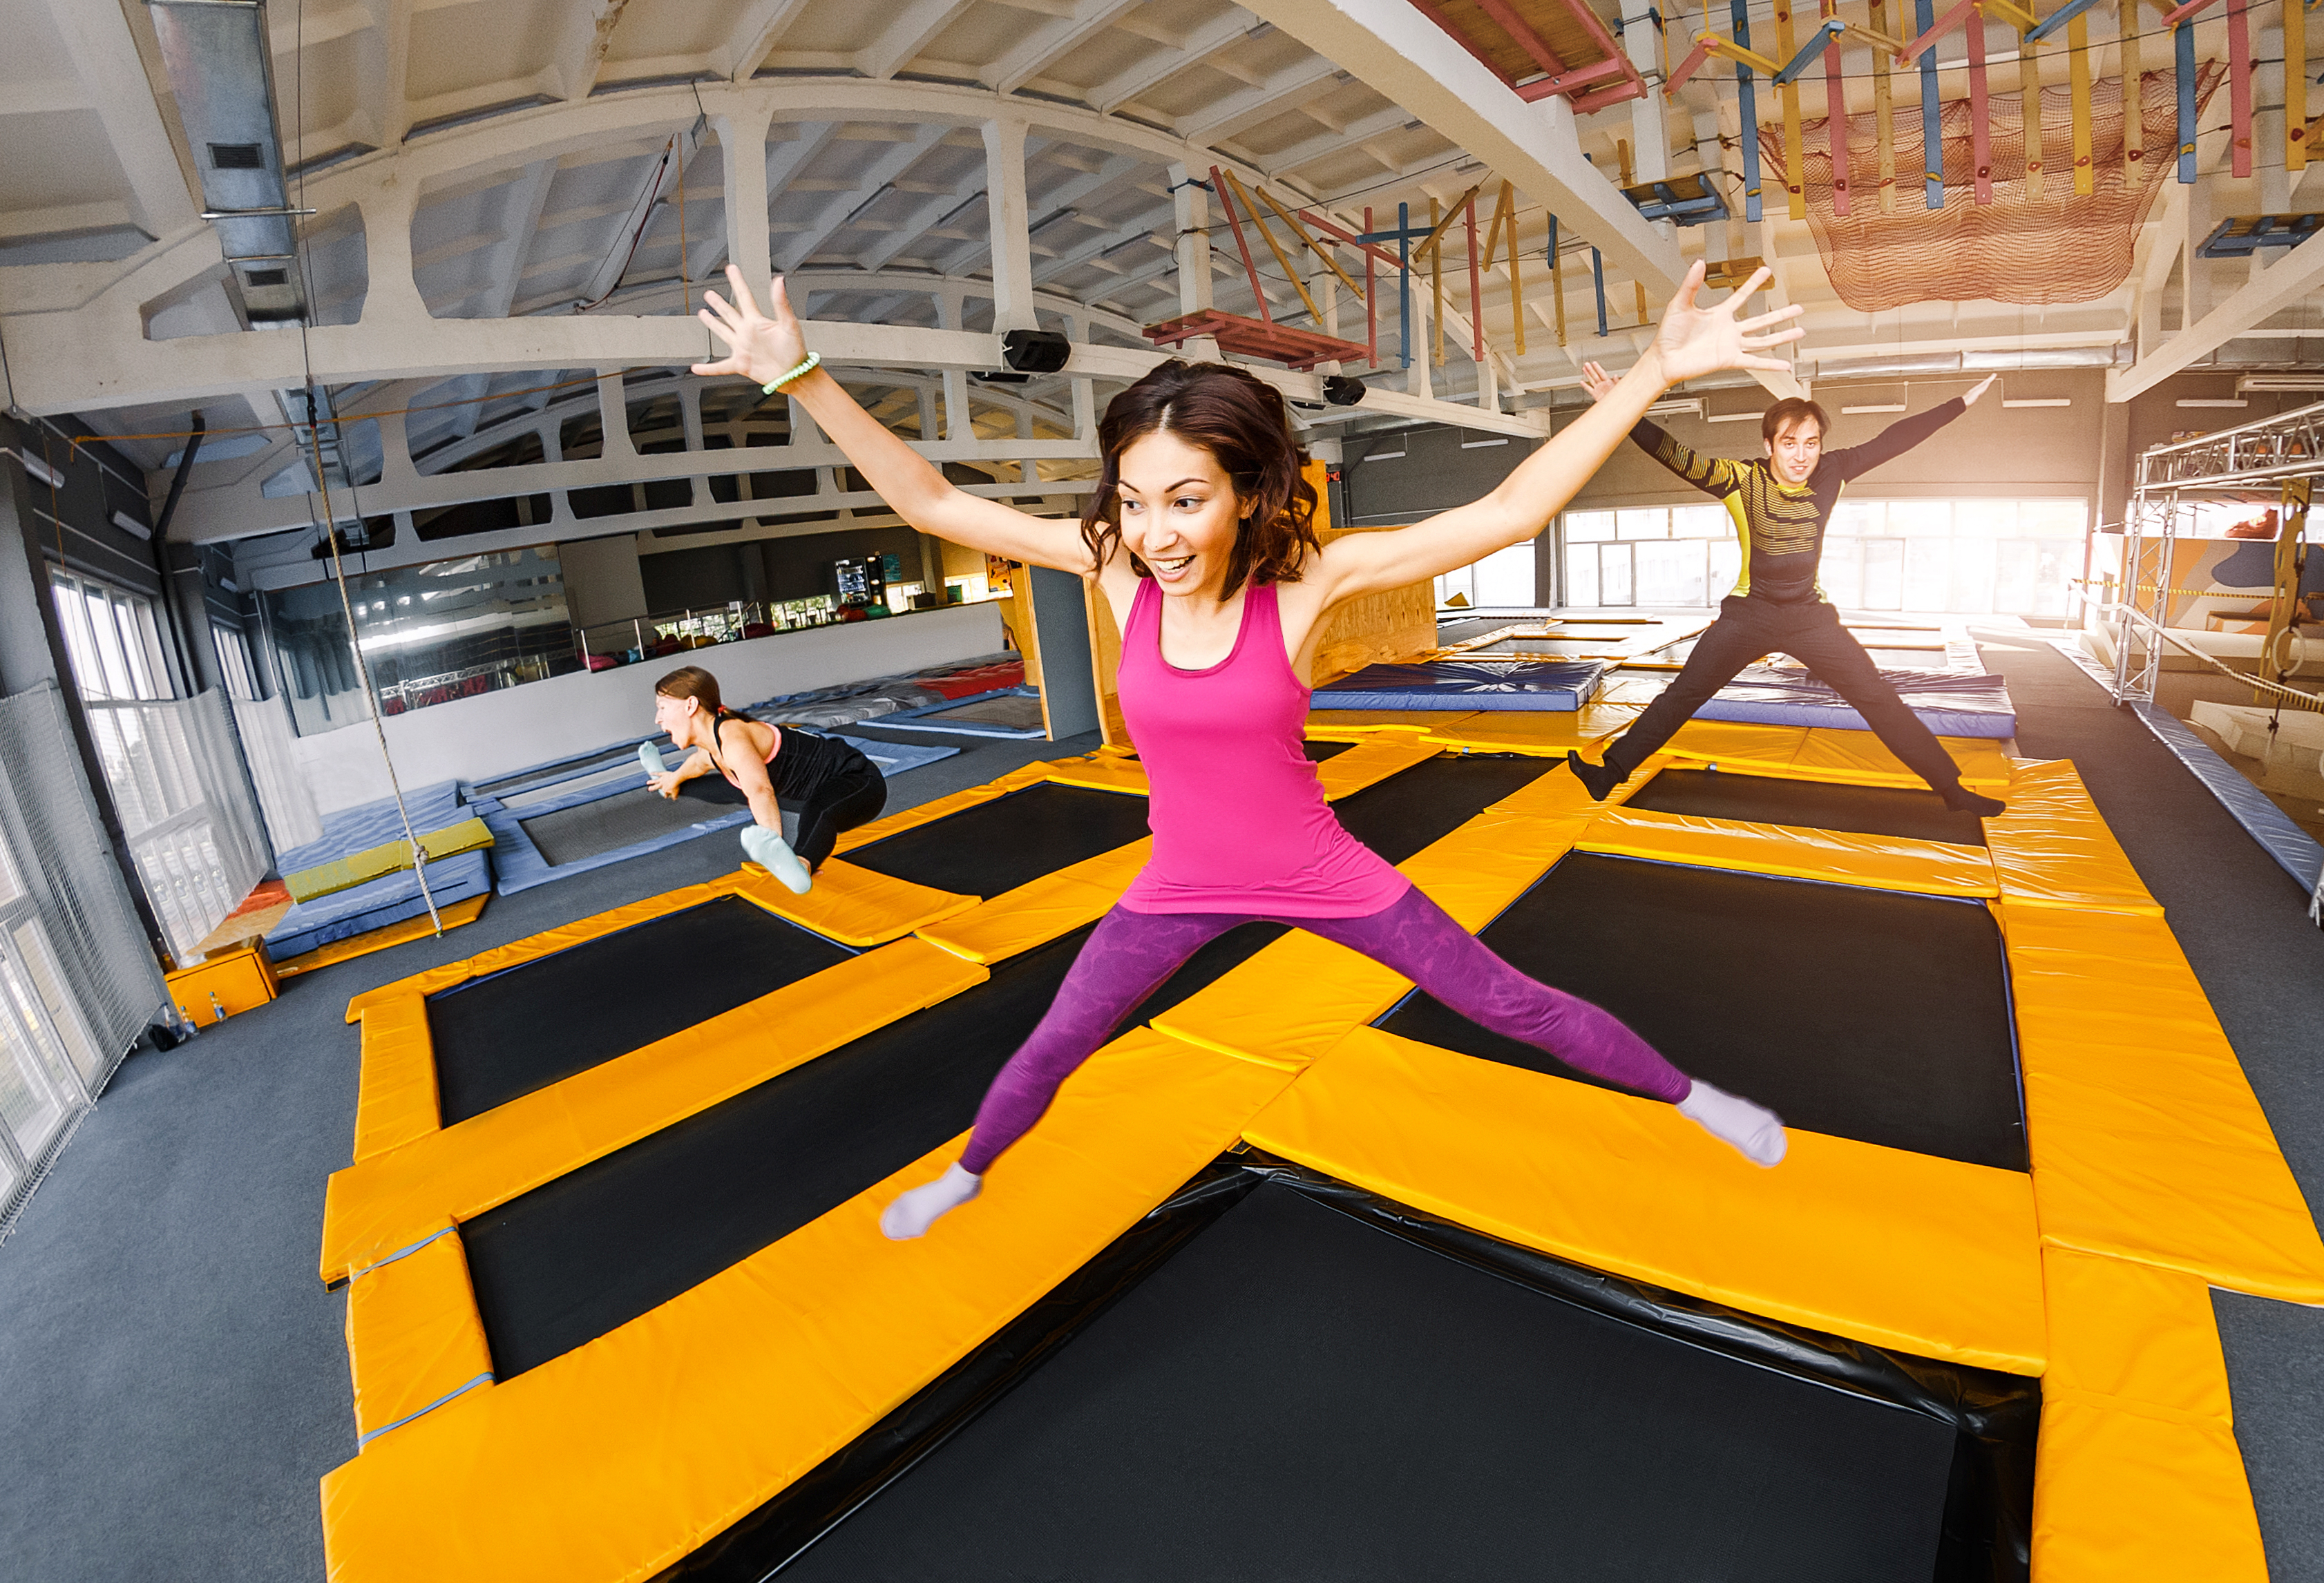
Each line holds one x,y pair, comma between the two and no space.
1782,504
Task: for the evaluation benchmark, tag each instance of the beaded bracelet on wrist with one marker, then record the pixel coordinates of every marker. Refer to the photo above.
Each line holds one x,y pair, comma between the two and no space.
813,361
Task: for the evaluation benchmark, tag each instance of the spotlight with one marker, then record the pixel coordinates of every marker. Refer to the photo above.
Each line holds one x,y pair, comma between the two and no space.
1035,351
1342,390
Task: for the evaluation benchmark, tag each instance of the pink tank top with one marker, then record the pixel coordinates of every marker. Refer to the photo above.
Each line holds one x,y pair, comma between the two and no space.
1238,813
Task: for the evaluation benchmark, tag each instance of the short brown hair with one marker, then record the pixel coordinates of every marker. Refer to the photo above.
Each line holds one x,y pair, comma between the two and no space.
1241,420
1788,411
691,681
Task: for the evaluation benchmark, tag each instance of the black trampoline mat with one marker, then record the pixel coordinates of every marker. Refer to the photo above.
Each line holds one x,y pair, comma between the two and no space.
588,830
1318,752
504,1036
1417,807
585,1254
1814,804
994,847
1298,1395
1014,709
1862,1014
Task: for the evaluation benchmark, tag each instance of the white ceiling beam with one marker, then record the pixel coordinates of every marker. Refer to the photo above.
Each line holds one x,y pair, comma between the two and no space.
1392,48
1378,124
384,75
884,170
906,37
1145,226
1150,269
1109,174
581,43
1161,67
525,204
1280,95
1047,45
917,225
105,58
759,27
2269,292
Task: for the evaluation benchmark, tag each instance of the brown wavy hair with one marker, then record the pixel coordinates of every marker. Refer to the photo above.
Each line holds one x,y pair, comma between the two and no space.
691,681
1241,420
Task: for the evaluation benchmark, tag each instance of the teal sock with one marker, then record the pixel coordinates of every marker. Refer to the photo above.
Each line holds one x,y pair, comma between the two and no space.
772,852
651,757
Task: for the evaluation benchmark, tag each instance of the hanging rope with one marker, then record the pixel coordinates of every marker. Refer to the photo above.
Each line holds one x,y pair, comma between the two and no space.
2291,697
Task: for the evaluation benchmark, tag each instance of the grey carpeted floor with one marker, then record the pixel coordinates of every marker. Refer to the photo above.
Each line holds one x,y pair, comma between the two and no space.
173,1377
2244,925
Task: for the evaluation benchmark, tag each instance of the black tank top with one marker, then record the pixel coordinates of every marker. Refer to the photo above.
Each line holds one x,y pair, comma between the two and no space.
805,763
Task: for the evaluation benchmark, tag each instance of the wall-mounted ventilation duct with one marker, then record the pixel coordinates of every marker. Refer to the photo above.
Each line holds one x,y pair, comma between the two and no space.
215,53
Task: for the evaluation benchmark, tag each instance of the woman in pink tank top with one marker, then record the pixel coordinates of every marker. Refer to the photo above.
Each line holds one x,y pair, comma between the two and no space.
1200,536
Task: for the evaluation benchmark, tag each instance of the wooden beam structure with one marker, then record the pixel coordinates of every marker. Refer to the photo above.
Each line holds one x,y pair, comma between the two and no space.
1794,156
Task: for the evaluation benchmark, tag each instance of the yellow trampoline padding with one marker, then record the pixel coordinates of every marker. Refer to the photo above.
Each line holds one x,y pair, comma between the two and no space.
2146,1140
1887,1247
362,868
1736,744
1550,733
614,1461
1371,760
547,942
2137,1473
395,1089
414,1341
1039,910
1858,758
1100,771
1326,723
1878,862
453,914
385,1204
855,907
2052,847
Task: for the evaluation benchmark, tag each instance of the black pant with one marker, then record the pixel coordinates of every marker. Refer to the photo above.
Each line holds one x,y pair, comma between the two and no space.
1811,634
840,804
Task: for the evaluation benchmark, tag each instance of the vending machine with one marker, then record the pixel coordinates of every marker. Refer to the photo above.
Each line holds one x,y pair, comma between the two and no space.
859,582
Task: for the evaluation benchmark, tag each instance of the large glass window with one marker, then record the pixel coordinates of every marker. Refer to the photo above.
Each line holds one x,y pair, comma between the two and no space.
234,661
1504,578
449,629
112,640
1969,557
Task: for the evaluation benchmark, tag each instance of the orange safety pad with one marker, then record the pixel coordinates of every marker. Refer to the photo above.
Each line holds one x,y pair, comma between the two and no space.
1888,1247
547,942
2052,847
2137,1473
414,1340
1100,771
1039,910
2146,1140
454,915
1878,862
1548,733
852,906
395,1090
616,1460
1861,758
928,813
389,1201
1334,723
1763,750
1371,760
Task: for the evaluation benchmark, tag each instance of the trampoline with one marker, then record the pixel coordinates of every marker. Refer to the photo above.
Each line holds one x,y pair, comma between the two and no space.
1011,711
511,1033
1863,1014
1186,1409
1763,799
995,846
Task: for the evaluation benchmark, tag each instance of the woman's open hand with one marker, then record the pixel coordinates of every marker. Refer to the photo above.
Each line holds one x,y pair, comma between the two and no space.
1596,382
1979,389
759,347
1694,341
666,785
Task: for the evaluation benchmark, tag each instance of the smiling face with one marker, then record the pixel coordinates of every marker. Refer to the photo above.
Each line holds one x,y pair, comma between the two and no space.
1179,512
1796,450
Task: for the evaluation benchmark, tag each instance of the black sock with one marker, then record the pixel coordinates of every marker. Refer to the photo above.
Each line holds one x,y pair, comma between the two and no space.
1599,779
1962,800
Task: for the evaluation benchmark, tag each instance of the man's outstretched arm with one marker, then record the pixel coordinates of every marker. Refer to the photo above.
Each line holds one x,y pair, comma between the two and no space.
1903,435
1712,475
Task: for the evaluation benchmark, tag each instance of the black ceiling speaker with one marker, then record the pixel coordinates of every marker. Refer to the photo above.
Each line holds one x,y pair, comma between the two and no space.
1342,390
1036,351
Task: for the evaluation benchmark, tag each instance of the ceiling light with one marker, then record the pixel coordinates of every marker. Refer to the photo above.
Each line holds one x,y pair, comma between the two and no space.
2210,401
2280,382
131,525
1686,406
1733,418
1882,407
2039,401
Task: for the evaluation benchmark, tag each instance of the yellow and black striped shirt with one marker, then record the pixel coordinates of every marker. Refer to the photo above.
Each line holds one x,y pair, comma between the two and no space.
1782,525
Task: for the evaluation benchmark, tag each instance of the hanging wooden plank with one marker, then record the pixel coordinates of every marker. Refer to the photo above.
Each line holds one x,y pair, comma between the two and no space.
1622,153
2029,88
1503,215
1795,179
1884,112
1371,302
1437,279
1476,292
1597,280
1980,128
2134,97
1219,188
1835,98
1317,248
2182,40
2295,85
1557,281
2239,86
1516,275
1932,126
1739,24
1315,314
2078,59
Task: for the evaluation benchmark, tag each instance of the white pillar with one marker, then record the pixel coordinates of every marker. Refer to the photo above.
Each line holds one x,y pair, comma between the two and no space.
1013,248
1189,207
742,148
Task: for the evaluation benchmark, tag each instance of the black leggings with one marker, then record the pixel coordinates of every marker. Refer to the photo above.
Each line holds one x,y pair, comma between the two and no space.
840,804
1811,634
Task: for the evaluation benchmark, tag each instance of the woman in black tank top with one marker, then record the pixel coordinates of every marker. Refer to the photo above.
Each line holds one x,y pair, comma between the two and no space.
738,761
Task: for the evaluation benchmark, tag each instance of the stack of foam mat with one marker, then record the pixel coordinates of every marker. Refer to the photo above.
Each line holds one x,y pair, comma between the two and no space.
1001,711
1951,704
1467,684
1302,1274
337,916
565,819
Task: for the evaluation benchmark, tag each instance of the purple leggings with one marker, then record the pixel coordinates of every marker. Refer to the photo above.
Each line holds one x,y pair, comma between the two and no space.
1131,954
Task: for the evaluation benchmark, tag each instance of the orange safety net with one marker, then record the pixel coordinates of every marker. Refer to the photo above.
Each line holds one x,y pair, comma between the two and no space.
2061,247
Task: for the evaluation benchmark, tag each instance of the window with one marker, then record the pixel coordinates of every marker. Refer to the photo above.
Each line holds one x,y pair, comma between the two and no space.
234,661
1504,578
112,640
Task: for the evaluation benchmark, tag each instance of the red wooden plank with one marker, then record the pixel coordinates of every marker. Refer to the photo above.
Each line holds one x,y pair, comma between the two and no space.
2239,89
1476,291
1688,67
1218,191
1521,34
1371,302
1944,25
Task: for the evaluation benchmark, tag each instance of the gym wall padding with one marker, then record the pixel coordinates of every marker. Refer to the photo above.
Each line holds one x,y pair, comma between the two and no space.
620,1458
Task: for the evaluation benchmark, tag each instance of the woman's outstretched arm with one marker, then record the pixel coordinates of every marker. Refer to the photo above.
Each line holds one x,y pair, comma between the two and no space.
1692,340
762,347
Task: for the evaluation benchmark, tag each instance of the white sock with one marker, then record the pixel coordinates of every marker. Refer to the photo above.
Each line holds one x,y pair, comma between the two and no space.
1756,1132
651,757
765,847
914,1213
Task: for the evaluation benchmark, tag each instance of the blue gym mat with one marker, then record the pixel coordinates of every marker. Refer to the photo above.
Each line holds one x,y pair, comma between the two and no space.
941,716
1467,684
1949,701
391,898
